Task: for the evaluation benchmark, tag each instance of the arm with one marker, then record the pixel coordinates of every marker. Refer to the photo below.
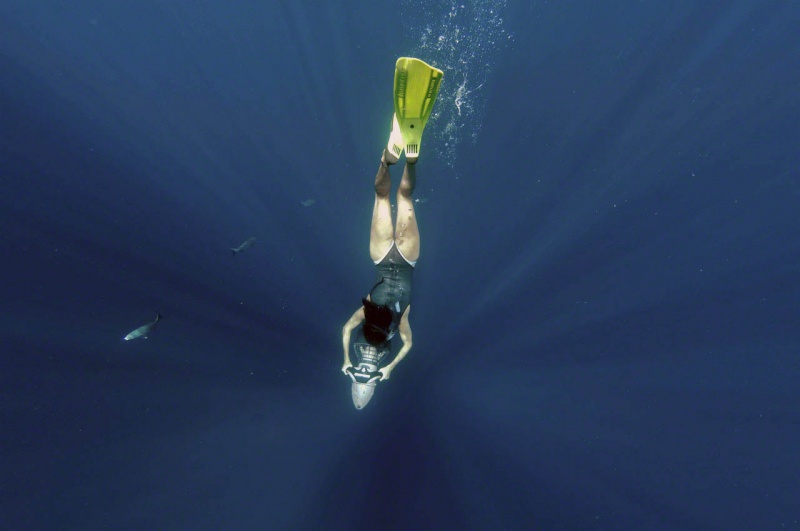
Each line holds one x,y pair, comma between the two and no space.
405,335
348,328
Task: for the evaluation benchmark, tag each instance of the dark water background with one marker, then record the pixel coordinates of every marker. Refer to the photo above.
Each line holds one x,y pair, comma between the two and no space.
606,306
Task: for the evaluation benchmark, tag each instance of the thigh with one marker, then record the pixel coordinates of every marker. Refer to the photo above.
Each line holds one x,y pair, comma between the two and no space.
407,230
381,234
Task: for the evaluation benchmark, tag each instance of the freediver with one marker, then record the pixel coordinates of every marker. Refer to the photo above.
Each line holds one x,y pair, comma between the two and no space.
394,249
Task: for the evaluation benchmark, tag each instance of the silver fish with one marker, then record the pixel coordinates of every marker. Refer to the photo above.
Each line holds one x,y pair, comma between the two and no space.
144,330
249,242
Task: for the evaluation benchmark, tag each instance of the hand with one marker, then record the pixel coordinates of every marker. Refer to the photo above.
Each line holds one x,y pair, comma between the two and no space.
347,365
385,373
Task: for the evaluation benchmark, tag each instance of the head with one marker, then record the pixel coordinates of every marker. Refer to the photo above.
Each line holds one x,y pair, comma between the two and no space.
377,322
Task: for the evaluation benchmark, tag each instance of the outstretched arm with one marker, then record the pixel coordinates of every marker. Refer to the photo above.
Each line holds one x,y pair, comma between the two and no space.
405,335
348,328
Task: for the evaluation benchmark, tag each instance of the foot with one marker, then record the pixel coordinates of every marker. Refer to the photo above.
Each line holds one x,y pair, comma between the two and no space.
395,146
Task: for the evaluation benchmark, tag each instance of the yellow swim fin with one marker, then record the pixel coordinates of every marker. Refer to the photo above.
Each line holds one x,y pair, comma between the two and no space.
416,85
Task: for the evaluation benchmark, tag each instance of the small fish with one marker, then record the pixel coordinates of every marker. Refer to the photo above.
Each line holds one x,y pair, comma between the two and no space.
143,331
249,242
308,202
421,200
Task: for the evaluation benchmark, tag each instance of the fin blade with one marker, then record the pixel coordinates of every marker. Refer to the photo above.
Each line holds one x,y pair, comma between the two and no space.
416,86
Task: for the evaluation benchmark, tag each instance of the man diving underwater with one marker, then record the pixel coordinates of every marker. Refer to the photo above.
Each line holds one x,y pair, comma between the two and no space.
394,249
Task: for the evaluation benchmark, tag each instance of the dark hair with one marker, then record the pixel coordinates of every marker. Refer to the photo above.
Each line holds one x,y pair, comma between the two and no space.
377,322
375,336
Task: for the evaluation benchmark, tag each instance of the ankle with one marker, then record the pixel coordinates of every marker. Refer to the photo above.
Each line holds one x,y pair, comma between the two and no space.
387,159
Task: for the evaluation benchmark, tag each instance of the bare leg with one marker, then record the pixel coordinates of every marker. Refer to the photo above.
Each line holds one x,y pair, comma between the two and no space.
381,234
407,231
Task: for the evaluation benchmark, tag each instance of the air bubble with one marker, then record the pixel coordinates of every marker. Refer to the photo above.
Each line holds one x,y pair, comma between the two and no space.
466,51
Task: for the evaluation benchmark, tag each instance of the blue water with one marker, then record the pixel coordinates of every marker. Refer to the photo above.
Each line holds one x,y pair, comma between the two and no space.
605,309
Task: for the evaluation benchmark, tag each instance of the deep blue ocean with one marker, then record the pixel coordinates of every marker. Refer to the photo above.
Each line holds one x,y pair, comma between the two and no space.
605,309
